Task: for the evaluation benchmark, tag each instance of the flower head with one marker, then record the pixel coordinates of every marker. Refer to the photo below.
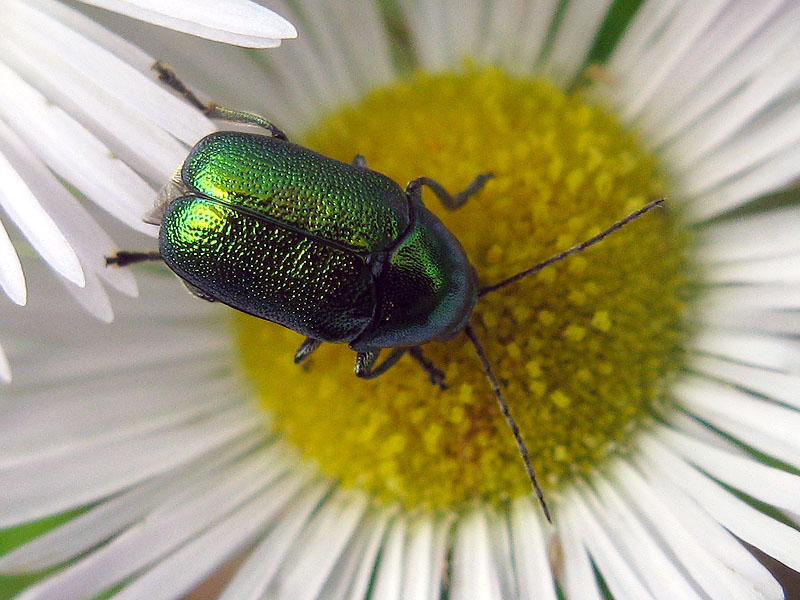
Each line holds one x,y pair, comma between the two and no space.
653,377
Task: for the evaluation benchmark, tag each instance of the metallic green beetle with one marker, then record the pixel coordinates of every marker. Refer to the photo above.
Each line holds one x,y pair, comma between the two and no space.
334,251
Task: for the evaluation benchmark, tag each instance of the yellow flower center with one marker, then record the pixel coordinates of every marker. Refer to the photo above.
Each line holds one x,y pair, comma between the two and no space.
582,350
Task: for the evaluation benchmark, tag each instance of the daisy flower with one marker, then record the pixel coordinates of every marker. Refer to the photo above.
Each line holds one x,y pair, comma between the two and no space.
654,377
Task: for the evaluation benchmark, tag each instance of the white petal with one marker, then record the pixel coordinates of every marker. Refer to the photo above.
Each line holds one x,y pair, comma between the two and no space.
170,526
424,558
762,235
474,574
643,548
572,563
98,524
778,386
621,579
389,572
739,565
779,269
21,205
675,529
232,21
351,578
767,484
255,574
5,368
737,38
767,351
769,535
574,38
12,280
73,152
320,546
178,574
769,427
427,29
534,574
53,484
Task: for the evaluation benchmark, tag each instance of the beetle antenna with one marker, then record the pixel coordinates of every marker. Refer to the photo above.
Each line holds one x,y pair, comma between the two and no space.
501,400
574,250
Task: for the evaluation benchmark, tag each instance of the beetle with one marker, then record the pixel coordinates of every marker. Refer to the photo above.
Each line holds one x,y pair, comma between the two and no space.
334,251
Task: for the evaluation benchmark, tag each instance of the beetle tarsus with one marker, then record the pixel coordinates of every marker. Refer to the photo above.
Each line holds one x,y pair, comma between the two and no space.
365,363
212,110
123,258
359,161
306,348
436,376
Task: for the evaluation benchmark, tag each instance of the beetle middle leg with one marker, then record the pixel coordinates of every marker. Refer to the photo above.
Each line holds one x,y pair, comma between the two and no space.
212,110
450,202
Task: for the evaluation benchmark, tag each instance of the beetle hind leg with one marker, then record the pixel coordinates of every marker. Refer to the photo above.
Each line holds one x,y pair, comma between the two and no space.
448,201
212,110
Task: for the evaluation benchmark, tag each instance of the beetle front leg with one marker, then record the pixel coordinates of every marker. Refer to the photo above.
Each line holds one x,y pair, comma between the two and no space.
305,350
212,110
435,375
448,201
365,363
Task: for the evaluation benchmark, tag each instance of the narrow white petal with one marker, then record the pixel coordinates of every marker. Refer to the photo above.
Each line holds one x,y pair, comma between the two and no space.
663,49
320,546
12,280
675,529
761,140
89,241
428,32
463,23
652,17
770,270
474,575
759,423
22,207
256,573
124,73
754,578
171,525
751,297
728,128
54,484
232,21
574,38
73,152
767,484
352,579
389,572
621,579
422,561
575,570
529,35
783,387
179,573
732,37
5,368
763,235
769,535
774,174
98,524
534,574
643,547
331,52
767,351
